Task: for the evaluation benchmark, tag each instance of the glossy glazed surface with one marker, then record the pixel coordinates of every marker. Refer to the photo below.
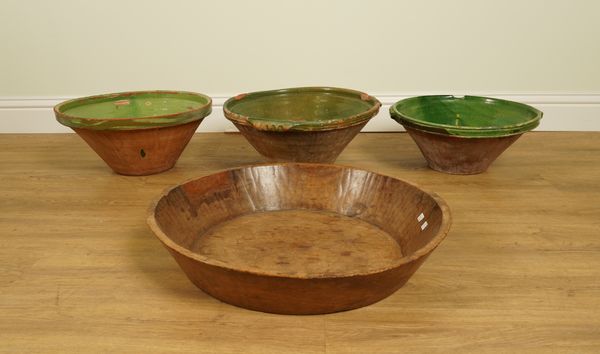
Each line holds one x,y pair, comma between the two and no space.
466,116
133,110
305,108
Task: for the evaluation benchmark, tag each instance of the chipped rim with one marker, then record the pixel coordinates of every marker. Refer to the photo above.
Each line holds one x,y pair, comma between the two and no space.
133,123
466,131
265,124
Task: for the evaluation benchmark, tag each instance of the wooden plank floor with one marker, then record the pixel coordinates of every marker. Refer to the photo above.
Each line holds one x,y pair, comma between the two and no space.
519,272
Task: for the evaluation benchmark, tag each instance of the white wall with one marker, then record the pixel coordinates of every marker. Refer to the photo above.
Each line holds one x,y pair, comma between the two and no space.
513,48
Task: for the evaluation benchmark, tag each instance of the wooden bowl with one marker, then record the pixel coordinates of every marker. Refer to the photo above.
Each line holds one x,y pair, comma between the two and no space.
308,124
463,135
299,238
136,133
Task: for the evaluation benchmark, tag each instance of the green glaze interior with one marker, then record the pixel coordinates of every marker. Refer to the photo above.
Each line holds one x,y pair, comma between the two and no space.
467,116
133,110
306,108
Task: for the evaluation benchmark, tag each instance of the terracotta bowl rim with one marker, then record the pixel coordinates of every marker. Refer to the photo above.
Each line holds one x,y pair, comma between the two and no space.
265,124
443,230
467,131
445,134
136,123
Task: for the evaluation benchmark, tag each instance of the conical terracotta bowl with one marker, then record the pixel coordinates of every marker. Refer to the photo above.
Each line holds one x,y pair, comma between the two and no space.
307,124
299,238
136,133
463,135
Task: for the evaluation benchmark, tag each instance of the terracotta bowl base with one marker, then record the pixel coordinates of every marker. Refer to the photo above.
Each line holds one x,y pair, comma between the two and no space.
140,152
300,146
460,156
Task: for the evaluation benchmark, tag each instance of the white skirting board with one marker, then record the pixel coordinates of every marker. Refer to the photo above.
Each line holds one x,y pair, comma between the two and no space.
562,112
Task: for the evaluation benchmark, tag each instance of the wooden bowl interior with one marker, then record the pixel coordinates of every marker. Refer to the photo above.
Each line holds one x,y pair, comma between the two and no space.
407,214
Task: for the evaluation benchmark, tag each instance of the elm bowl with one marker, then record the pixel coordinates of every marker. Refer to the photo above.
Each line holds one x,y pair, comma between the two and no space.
306,124
299,238
463,135
136,133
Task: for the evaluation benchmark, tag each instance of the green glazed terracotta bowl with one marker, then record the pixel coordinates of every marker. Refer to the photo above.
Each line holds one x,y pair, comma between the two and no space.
136,133
463,134
306,124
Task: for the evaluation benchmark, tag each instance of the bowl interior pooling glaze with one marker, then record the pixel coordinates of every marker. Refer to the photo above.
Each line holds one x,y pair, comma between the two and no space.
466,115
301,106
304,108
148,104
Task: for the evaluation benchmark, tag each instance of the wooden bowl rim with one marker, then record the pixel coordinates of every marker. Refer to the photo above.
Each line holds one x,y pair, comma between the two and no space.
261,123
148,122
421,252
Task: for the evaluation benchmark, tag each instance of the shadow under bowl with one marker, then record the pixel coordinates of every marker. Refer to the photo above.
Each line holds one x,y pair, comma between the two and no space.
299,238
463,135
307,124
136,133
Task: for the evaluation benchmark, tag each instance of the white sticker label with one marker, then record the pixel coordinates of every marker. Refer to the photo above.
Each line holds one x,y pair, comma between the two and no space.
420,217
424,226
